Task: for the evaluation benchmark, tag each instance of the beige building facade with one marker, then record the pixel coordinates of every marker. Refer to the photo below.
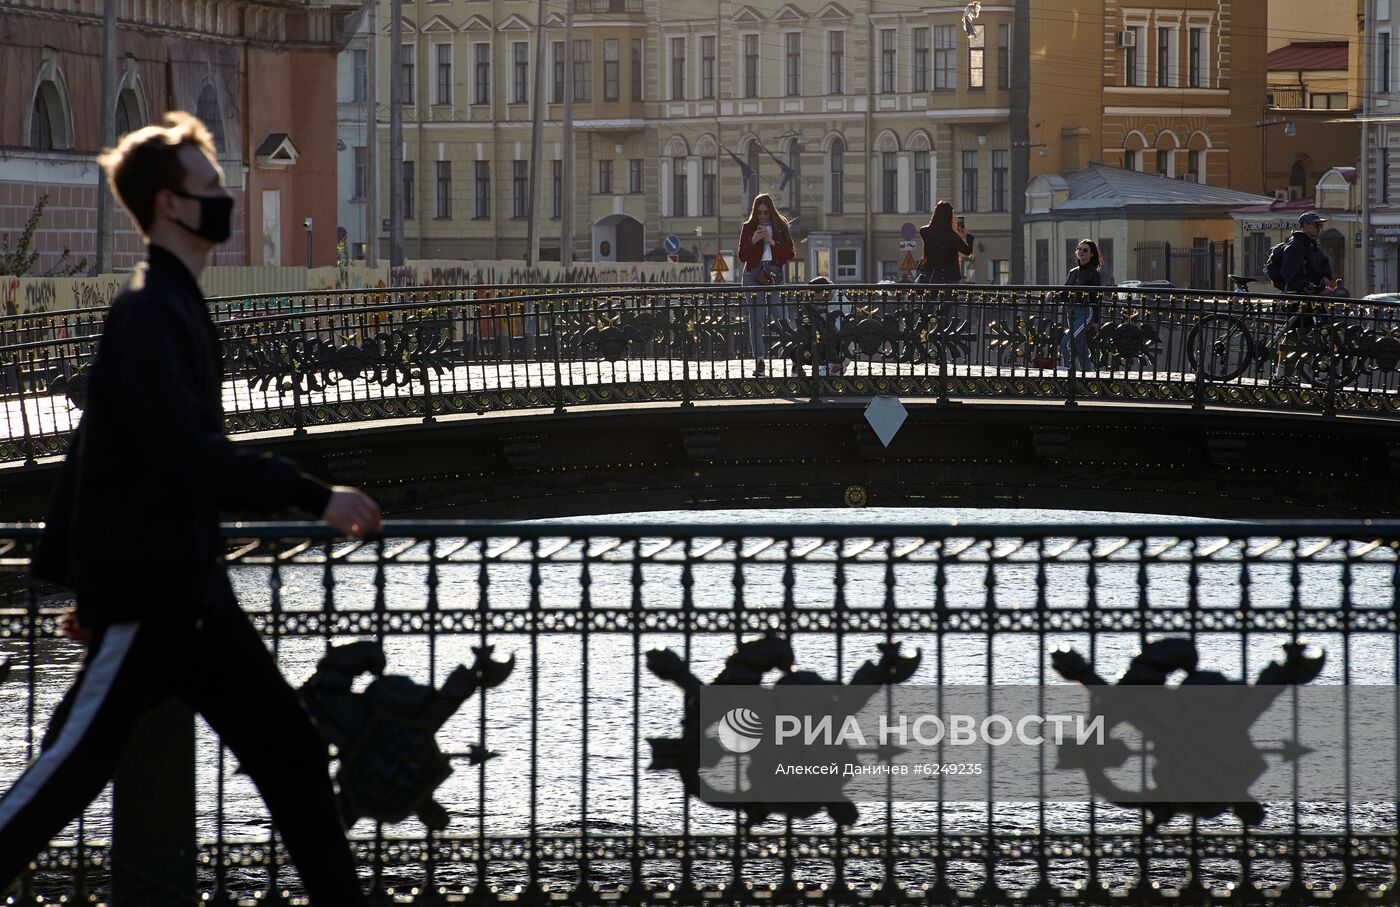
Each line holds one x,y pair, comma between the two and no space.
858,115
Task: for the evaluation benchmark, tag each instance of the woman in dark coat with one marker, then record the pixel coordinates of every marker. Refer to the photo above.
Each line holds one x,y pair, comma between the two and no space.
1081,306
943,243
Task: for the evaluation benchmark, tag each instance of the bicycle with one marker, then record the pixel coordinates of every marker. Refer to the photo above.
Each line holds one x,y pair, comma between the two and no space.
1221,346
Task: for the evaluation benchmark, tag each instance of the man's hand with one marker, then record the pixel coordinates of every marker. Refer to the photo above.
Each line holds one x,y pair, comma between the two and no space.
68,625
351,511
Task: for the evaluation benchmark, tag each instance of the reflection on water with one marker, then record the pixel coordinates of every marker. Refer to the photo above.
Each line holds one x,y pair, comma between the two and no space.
625,704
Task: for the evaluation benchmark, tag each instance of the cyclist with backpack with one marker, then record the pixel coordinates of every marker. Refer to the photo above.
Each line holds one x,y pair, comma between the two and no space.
1299,266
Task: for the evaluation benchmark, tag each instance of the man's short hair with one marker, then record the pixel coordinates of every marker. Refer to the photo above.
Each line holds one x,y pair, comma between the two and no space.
148,160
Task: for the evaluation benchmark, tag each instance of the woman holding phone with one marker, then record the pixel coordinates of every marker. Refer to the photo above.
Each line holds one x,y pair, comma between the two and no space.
765,247
944,243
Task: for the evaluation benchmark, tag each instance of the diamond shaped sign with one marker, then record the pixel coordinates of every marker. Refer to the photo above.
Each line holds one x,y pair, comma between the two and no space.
886,416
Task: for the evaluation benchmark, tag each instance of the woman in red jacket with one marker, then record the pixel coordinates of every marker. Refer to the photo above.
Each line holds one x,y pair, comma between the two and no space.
765,240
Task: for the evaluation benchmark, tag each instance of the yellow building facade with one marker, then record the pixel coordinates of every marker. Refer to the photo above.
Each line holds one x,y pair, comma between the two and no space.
857,116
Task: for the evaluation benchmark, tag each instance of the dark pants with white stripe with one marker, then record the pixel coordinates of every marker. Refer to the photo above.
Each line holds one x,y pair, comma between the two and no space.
219,666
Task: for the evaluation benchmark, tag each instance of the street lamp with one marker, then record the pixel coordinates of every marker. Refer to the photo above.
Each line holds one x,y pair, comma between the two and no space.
699,235
307,224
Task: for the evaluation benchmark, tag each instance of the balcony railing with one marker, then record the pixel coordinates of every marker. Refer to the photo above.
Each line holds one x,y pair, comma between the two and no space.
598,624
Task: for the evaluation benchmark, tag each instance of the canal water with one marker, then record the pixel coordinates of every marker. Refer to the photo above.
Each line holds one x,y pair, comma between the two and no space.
626,705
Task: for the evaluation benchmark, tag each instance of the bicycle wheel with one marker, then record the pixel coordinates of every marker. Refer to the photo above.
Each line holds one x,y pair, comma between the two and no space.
1333,359
1219,346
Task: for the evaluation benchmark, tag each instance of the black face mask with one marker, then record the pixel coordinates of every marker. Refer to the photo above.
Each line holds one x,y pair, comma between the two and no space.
215,216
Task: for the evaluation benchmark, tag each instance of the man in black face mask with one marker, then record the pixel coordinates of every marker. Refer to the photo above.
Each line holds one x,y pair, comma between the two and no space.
134,530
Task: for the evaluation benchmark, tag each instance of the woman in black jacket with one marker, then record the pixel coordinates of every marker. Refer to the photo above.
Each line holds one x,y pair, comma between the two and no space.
943,243
1081,306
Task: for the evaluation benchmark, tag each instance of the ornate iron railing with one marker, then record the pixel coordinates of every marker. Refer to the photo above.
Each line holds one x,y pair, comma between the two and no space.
427,353
580,630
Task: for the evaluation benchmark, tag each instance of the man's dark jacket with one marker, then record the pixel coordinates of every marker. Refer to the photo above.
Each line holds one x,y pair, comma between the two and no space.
1304,263
133,527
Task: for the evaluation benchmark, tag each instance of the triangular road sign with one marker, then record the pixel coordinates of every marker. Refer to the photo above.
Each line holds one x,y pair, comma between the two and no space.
719,267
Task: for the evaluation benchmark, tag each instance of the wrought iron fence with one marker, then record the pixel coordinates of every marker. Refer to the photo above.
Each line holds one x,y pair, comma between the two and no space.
583,634
426,353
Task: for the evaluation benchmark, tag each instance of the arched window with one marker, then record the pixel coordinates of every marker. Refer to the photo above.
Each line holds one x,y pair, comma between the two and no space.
128,112
1297,180
836,157
755,183
48,119
793,201
207,109
41,124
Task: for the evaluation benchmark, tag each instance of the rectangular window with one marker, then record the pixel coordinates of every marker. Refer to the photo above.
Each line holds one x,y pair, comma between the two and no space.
556,189
1042,261
1383,62
583,70
634,175
361,172
482,195
887,60
1164,162
444,190
406,75
707,66
482,54
944,47
520,72
793,77
836,62
1197,62
1193,165
444,73
889,182
612,74
920,60
678,69
519,188
556,94
708,184
408,190
838,181
1385,176
1164,57
1130,160
750,66
846,264
923,183
977,57
359,77
605,169
680,189
637,69
1003,56
1131,76
969,181
999,181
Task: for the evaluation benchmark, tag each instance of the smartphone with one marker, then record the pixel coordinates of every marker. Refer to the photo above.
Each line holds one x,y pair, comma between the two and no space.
962,222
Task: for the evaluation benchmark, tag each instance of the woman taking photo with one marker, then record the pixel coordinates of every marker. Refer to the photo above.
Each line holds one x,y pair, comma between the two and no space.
944,242
765,246
1081,307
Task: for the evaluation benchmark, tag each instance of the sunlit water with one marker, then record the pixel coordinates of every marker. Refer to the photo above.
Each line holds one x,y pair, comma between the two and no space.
626,705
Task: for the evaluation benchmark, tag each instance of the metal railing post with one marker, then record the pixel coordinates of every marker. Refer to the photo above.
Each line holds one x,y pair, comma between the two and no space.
558,367
154,852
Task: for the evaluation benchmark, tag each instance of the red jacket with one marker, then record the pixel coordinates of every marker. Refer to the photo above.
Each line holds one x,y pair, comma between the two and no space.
752,255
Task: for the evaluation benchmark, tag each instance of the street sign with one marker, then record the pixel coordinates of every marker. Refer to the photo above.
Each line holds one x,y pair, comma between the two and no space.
908,232
908,246
673,257
908,263
672,243
719,267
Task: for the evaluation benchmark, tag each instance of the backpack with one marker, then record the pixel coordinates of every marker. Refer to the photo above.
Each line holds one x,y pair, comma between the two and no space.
1273,265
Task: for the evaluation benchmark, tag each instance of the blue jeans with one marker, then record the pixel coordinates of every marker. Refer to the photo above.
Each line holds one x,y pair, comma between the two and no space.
761,310
1078,336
